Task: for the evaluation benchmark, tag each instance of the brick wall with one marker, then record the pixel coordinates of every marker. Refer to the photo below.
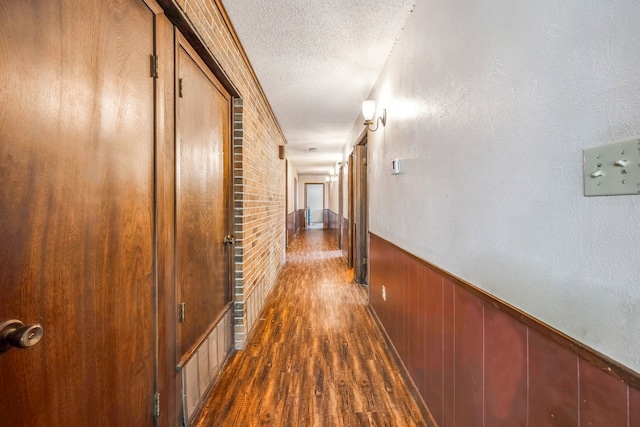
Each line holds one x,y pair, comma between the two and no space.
259,175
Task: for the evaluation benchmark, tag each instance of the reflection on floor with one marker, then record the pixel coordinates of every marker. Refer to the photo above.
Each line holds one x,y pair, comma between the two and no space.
315,357
315,225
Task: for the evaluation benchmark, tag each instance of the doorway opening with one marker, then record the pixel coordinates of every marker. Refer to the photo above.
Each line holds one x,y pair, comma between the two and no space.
314,203
359,211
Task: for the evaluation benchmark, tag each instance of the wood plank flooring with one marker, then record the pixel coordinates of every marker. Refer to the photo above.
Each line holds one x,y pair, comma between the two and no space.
315,357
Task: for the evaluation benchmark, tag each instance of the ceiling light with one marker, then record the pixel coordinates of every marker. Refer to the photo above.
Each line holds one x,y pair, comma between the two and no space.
368,111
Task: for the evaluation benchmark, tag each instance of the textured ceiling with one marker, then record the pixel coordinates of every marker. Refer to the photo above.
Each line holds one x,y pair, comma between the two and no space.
317,61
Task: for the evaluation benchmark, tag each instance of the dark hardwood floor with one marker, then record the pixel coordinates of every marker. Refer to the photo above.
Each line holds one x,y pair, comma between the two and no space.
315,357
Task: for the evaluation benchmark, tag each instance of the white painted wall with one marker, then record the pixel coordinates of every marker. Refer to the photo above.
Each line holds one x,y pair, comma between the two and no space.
334,191
292,175
489,106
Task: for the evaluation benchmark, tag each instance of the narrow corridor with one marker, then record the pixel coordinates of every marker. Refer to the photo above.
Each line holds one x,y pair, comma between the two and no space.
315,357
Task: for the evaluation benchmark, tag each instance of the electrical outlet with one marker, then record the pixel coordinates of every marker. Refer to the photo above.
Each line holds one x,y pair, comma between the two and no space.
384,293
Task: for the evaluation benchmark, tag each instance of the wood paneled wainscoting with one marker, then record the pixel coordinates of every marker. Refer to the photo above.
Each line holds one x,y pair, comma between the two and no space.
300,222
346,240
477,361
295,221
332,223
291,226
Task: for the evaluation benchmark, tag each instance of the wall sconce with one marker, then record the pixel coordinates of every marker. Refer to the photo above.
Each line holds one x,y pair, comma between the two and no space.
368,111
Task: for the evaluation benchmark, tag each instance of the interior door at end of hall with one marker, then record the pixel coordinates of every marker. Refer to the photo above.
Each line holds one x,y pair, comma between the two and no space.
77,212
202,199
315,203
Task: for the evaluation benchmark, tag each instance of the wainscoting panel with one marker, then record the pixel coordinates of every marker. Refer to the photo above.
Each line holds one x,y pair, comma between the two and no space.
468,339
553,382
505,366
201,371
291,226
332,223
634,404
476,361
345,239
603,399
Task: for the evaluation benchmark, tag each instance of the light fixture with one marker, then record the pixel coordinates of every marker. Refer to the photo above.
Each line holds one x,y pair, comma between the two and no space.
368,111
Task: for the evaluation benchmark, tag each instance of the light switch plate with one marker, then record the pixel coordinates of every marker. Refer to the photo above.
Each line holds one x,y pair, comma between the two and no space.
612,169
395,166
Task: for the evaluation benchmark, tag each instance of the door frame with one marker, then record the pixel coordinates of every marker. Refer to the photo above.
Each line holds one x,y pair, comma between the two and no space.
180,360
360,196
324,189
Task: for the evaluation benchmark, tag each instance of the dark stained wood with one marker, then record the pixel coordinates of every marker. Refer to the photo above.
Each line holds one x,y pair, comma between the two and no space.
361,212
178,17
332,224
315,357
482,364
634,407
291,227
349,248
169,383
431,310
553,384
202,199
468,359
448,354
340,215
603,399
604,363
77,211
505,366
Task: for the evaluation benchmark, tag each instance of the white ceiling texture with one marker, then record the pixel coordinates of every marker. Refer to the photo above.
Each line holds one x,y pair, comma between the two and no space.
317,61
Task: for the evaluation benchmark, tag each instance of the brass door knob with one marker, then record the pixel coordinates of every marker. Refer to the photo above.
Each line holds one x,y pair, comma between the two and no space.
14,333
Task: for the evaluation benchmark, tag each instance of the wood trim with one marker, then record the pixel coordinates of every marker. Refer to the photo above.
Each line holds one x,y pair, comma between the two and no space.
168,384
599,360
194,348
424,409
286,200
178,18
184,43
351,218
361,212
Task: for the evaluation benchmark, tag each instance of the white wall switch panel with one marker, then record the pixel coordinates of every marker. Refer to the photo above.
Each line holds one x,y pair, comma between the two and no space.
395,166
612,169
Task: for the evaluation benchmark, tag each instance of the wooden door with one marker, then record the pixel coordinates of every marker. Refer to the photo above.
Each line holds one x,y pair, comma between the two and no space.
361,205
350,249
77,211
202,207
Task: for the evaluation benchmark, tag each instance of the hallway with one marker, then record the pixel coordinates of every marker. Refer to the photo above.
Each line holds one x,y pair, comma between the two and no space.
315,356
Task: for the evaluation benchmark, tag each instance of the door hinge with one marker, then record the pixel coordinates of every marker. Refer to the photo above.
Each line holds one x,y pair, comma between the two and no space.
364,261
182,310
180,88
364,161
154,66
156,405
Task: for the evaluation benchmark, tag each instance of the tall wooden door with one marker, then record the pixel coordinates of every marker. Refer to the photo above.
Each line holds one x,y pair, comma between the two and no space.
77,211
361,214
202,206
